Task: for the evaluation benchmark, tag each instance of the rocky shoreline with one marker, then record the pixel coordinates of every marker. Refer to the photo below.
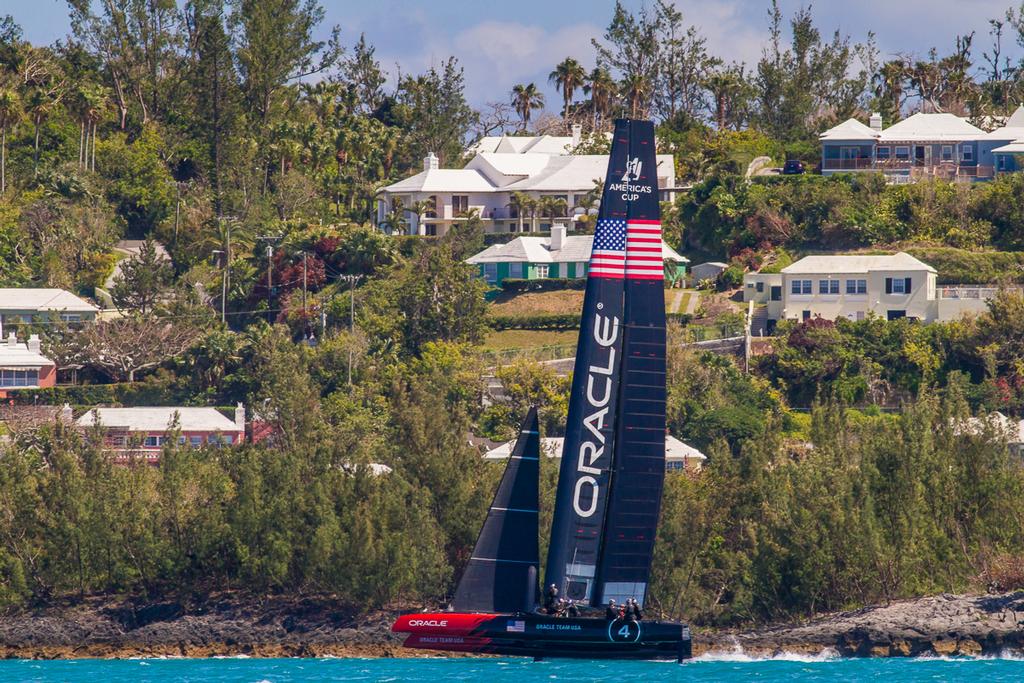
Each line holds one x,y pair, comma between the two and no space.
944,625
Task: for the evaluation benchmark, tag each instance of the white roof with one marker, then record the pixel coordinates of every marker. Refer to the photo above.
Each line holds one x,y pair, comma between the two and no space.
19,356
575,249
854,263
24,298
931,127
716,264
1012,148
159,419
443,180
496,172
1012,129
675,450
1013,429
850,129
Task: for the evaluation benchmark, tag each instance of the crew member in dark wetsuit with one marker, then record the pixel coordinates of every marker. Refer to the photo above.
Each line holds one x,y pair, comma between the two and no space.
611,612
636,610
629,613
551,600
573,610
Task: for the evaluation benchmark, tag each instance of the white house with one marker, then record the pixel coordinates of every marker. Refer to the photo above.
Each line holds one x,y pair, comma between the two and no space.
678,455
558,256
23,366
852,286
26,304
539,167
924,145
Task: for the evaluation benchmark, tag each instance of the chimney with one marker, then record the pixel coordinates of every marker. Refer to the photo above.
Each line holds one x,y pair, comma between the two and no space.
876,122
33,343
12,341
430,162
577,134
557,237
240,417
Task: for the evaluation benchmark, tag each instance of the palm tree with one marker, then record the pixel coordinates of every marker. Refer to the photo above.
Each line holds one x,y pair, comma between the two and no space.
601,88
421,209
553,207
568,76
636,88
395,221
10,115
526,98
38,106
519,202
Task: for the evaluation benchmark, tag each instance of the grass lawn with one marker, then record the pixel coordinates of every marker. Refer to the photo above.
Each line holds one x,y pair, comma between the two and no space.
537,303
527,339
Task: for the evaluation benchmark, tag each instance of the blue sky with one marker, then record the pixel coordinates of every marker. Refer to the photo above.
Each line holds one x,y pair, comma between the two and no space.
501,44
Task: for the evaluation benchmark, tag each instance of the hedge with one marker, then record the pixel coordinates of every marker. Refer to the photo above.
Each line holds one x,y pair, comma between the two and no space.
136,394
556,321
553,284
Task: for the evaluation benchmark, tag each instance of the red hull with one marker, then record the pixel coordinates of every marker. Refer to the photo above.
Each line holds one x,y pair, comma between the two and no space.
540,636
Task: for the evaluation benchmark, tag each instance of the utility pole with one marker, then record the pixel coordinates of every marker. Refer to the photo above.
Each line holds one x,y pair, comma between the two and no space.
352,280
270,239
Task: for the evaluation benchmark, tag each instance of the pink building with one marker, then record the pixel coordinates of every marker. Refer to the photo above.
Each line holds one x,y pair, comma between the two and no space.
140,433
23,366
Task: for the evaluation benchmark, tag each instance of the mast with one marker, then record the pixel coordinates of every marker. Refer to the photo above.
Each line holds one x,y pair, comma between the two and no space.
502,572
582,494
639,459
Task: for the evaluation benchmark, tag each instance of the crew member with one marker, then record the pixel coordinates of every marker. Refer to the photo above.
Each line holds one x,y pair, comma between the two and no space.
629,613
573,610
551,599
636,610
611,612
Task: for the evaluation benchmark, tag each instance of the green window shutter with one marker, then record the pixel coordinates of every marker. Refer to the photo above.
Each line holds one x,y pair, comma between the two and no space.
553,270
888,285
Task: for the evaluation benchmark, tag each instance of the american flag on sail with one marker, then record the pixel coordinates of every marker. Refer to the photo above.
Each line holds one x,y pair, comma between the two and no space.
643,250
608,257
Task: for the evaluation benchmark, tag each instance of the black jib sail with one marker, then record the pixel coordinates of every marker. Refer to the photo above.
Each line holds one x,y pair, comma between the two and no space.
581,498
501,575
638,472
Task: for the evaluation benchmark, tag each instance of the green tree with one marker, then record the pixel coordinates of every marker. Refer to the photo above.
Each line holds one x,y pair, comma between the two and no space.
569,76
526,98
143,281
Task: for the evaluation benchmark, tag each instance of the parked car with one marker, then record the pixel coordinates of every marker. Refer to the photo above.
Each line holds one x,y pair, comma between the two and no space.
793,167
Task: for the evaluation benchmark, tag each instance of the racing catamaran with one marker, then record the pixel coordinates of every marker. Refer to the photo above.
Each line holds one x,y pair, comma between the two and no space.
612,468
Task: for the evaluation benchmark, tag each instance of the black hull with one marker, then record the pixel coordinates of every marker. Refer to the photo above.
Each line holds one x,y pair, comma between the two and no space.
541,636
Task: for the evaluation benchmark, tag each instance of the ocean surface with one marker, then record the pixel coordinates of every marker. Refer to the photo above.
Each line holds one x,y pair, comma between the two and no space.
719,669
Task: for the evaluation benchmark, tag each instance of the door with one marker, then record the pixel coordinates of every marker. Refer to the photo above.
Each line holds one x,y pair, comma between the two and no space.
848,156
895,315
922,155
776,292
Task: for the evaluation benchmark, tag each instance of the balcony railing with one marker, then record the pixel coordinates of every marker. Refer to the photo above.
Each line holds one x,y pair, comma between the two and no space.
940,168
982,292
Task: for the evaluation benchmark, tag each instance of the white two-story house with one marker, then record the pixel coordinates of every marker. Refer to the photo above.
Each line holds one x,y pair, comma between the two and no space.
538,167
856,285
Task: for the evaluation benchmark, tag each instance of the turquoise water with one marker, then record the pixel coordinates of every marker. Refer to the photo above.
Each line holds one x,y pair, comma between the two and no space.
724,669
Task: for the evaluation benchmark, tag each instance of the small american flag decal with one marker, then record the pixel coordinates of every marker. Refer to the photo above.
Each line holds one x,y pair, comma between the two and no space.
516,627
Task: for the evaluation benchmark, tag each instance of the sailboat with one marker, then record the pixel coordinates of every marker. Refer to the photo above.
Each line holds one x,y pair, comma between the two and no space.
612,468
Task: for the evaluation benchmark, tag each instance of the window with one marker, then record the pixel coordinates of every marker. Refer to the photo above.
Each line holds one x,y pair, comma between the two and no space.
460,204
195,441
860,315
117,441
828,286
515,270
882,153
898,285
71,317
895,315
967,153
154,441
806,315
856,286
491,272
1002,162
227,439
542,270
902,154
181,440
581,269
19,378
947,152
671,465
776,294
432,211
760,287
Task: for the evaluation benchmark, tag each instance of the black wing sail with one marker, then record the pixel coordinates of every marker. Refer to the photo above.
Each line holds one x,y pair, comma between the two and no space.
580,501
501,575
638,473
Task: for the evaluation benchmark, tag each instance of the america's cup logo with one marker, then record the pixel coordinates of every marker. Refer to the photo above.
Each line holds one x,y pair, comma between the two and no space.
633,167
